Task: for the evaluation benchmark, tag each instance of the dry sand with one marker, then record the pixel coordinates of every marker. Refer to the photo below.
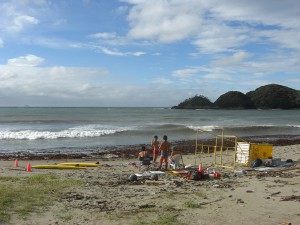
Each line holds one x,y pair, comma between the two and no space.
107,197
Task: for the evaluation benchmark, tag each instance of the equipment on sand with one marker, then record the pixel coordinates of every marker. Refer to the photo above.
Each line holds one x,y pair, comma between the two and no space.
82,164
152,175
57,167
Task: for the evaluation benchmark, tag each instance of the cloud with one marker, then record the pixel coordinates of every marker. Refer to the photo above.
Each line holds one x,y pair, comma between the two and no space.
23,80
103,35
1,43
216,26
122,10
118,53
28,60
80,86
20,22
236,58
213,38
162,80
217,77
164,21
186,73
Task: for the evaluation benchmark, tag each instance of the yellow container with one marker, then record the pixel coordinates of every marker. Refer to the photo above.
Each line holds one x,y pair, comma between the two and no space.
260,151
247,152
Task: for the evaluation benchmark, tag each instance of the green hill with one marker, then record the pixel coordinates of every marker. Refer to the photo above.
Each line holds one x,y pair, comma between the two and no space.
196,102
274,96
271,96
234,100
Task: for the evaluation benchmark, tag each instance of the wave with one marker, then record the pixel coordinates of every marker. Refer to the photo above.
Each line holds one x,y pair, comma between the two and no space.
251,130
75,132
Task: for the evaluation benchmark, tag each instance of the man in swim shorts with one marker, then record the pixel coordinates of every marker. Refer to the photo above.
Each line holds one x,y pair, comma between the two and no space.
155,146
164,152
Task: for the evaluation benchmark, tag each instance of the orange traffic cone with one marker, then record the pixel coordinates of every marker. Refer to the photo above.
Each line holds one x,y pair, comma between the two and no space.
200,168
28,168
16,163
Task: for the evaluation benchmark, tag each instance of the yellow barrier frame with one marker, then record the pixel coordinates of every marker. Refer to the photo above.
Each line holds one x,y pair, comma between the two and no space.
219,150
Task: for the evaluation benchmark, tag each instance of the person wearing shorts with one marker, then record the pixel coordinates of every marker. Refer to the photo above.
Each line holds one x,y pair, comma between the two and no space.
155,146
164,152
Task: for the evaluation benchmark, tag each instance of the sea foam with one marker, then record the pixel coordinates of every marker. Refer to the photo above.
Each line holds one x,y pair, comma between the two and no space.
76,132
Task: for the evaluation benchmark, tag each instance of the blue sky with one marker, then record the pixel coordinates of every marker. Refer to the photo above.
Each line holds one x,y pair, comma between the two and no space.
144,53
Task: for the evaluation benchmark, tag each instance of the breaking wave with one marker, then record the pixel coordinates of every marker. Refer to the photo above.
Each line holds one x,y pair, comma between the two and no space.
76,132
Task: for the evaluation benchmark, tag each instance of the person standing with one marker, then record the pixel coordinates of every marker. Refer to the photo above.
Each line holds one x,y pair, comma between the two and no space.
164,152
155,146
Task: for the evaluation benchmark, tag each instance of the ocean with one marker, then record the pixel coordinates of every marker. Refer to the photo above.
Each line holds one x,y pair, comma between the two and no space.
51,129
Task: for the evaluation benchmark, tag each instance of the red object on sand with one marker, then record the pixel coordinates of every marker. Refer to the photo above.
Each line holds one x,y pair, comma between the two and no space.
28,168
16,163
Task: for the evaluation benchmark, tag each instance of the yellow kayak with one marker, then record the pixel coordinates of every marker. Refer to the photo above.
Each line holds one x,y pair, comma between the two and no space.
61,167
82,164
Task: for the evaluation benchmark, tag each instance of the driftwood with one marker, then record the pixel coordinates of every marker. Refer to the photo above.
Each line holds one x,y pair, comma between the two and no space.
291,198
276,193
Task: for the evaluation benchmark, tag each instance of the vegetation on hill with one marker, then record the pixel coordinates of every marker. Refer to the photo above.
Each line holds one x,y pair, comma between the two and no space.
196,102
234,99
272,96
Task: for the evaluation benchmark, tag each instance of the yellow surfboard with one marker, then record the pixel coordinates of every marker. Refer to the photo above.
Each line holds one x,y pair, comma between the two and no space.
61,167
83,164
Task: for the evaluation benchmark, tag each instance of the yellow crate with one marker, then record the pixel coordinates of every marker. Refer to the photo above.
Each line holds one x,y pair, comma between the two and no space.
247,152
260,151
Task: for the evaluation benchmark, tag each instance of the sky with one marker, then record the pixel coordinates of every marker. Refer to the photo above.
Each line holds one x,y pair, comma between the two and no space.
142,53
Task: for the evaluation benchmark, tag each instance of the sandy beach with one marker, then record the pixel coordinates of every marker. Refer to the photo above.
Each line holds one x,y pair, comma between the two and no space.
105,195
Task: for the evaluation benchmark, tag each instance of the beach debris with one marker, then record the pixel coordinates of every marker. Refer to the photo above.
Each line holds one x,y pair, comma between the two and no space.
239,201
146,206
154,177
276,193
188,166
132,177
250,191
256,163
239,171
295,198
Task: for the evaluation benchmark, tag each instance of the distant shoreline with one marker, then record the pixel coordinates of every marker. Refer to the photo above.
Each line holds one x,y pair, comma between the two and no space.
131,151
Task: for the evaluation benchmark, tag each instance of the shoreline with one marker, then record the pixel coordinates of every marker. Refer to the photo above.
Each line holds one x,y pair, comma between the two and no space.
131,151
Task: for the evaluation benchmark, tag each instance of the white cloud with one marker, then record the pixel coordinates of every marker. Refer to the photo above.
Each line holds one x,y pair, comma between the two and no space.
164,21
1,43
216,26
103,35
220,38
20,22
286,38
28,60
118,53
50,82
236,58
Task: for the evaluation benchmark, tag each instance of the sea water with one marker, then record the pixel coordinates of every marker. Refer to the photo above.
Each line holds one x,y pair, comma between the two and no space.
83,129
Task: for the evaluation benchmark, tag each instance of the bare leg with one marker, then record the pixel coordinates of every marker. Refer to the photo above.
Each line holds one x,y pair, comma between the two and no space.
160,162
166,162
